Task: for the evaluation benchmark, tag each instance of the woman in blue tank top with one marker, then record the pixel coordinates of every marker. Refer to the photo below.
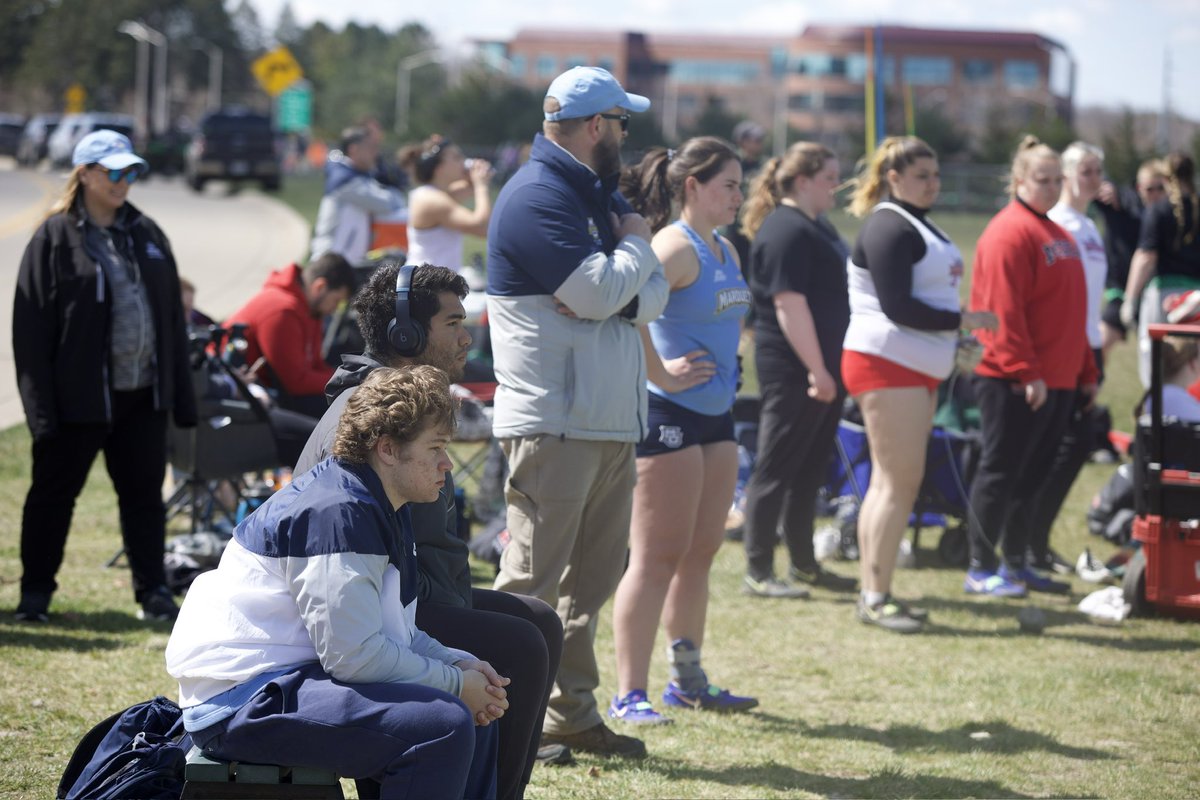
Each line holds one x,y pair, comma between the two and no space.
687,465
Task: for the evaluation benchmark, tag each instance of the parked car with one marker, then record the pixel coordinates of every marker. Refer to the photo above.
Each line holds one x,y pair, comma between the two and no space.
234,144
32,147
11,126
73,127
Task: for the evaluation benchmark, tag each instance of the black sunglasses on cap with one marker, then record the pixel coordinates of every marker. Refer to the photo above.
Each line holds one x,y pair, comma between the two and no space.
624,118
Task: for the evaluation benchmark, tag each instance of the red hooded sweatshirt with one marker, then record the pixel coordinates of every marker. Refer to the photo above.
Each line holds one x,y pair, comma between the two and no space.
283,330
1027,271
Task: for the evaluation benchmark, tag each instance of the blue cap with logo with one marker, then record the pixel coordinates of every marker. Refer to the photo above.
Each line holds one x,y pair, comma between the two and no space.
109,149
587,91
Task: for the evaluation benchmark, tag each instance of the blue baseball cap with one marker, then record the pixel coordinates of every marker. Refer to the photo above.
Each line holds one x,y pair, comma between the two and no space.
109,149
587,91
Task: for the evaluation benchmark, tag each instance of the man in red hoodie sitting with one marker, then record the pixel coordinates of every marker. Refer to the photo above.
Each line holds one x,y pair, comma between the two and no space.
283,327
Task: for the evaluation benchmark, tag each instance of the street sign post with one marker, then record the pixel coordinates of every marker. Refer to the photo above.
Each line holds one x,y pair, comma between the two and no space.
76,97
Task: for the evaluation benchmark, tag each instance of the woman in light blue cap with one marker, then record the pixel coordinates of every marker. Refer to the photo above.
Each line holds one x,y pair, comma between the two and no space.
101,355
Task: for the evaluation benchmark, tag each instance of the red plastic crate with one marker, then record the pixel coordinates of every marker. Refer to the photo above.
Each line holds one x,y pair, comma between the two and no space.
1172,551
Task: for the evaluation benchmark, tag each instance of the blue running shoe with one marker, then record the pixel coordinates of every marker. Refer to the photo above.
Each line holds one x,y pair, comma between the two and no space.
635,709
982,581
710,698
1034,581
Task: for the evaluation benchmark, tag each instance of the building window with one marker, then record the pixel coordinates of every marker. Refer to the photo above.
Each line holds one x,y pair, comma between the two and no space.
717,72
927,70
855,69
1022,74
819,101
978,70
547,67
605,63
576,61
516,66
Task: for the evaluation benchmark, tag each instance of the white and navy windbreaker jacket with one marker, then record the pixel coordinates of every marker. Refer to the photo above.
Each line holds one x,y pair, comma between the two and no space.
323,571
551,237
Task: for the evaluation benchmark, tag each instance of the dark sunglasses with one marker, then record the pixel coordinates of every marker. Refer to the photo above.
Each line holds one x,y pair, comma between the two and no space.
129,174
624,118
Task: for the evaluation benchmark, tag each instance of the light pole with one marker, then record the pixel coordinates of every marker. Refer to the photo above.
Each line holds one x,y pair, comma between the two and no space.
216,60
145,34
403,76
142,77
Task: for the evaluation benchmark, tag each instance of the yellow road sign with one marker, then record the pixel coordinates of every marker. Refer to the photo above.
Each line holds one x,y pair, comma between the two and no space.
75,96
277,70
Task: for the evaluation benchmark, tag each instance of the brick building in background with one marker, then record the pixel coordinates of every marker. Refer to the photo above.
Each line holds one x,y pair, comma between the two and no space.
814,82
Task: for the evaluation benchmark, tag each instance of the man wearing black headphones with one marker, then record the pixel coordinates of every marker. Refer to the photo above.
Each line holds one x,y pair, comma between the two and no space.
414,315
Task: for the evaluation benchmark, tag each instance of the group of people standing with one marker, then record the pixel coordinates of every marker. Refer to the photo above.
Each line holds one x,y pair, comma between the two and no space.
616,309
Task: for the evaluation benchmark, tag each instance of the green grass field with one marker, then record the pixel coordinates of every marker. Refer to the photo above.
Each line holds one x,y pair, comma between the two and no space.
972,708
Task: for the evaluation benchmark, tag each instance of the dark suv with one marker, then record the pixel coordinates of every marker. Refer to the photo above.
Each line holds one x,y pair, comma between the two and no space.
234,144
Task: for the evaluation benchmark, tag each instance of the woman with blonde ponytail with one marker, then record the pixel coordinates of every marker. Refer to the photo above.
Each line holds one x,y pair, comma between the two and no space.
798,281
1167,260
904,318
1037,367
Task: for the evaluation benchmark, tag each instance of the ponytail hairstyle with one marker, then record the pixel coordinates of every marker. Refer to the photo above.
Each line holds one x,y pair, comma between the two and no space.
1181,184
421,159
775,180
656,184
1177,353
894,152
1030,151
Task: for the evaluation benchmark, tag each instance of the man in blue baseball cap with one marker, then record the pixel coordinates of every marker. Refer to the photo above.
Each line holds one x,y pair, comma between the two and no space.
571,276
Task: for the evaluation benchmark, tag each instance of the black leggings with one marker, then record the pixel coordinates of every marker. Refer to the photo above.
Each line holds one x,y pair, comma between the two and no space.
522,638
135,452
1019,444
795,440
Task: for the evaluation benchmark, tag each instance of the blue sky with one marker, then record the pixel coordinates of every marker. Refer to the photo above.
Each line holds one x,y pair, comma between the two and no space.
1118,45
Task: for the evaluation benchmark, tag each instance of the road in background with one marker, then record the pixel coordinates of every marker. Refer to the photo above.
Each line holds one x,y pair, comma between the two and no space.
224,243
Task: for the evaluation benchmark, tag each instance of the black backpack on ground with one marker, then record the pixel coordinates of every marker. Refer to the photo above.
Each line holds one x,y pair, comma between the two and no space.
136,754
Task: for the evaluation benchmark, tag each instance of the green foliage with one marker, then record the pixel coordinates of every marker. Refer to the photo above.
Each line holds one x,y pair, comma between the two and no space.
485,108
1122,155
941,133
1001,136
714,120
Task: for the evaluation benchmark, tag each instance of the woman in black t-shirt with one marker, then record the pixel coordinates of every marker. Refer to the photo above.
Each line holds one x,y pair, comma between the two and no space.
798,282
1167,260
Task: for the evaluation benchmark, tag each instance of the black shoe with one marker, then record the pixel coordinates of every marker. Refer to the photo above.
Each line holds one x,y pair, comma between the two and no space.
555,754
815,576
159,605
34,607
600,740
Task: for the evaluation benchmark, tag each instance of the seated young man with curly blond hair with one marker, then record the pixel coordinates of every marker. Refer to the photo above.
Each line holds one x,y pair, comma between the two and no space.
301,648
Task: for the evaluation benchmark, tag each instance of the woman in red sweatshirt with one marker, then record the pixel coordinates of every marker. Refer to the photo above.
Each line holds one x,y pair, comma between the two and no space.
1028,271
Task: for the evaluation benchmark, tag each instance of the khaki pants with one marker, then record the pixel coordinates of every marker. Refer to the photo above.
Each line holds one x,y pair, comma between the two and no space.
569,503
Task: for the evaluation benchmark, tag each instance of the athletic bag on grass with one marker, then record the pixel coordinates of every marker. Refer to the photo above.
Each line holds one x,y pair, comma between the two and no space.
136,754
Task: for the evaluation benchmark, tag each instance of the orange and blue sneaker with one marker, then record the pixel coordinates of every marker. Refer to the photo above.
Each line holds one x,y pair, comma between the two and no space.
635,709
710,698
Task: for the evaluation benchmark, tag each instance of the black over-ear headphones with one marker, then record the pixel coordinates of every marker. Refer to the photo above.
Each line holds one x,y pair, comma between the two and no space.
405,334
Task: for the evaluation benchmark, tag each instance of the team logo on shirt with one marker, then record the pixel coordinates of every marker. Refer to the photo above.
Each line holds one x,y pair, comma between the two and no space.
1059,249
732,296
956,272
670,435
594,232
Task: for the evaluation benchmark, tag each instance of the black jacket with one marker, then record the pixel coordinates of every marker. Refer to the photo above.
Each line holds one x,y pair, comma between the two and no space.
62,321
443,570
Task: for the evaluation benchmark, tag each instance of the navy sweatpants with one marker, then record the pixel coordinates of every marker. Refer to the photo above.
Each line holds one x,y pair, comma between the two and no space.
412,740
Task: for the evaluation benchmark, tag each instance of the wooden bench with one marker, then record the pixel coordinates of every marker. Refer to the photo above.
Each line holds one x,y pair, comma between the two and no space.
207,777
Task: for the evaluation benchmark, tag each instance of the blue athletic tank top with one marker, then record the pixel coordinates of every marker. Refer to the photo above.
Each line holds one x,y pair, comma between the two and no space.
705,315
